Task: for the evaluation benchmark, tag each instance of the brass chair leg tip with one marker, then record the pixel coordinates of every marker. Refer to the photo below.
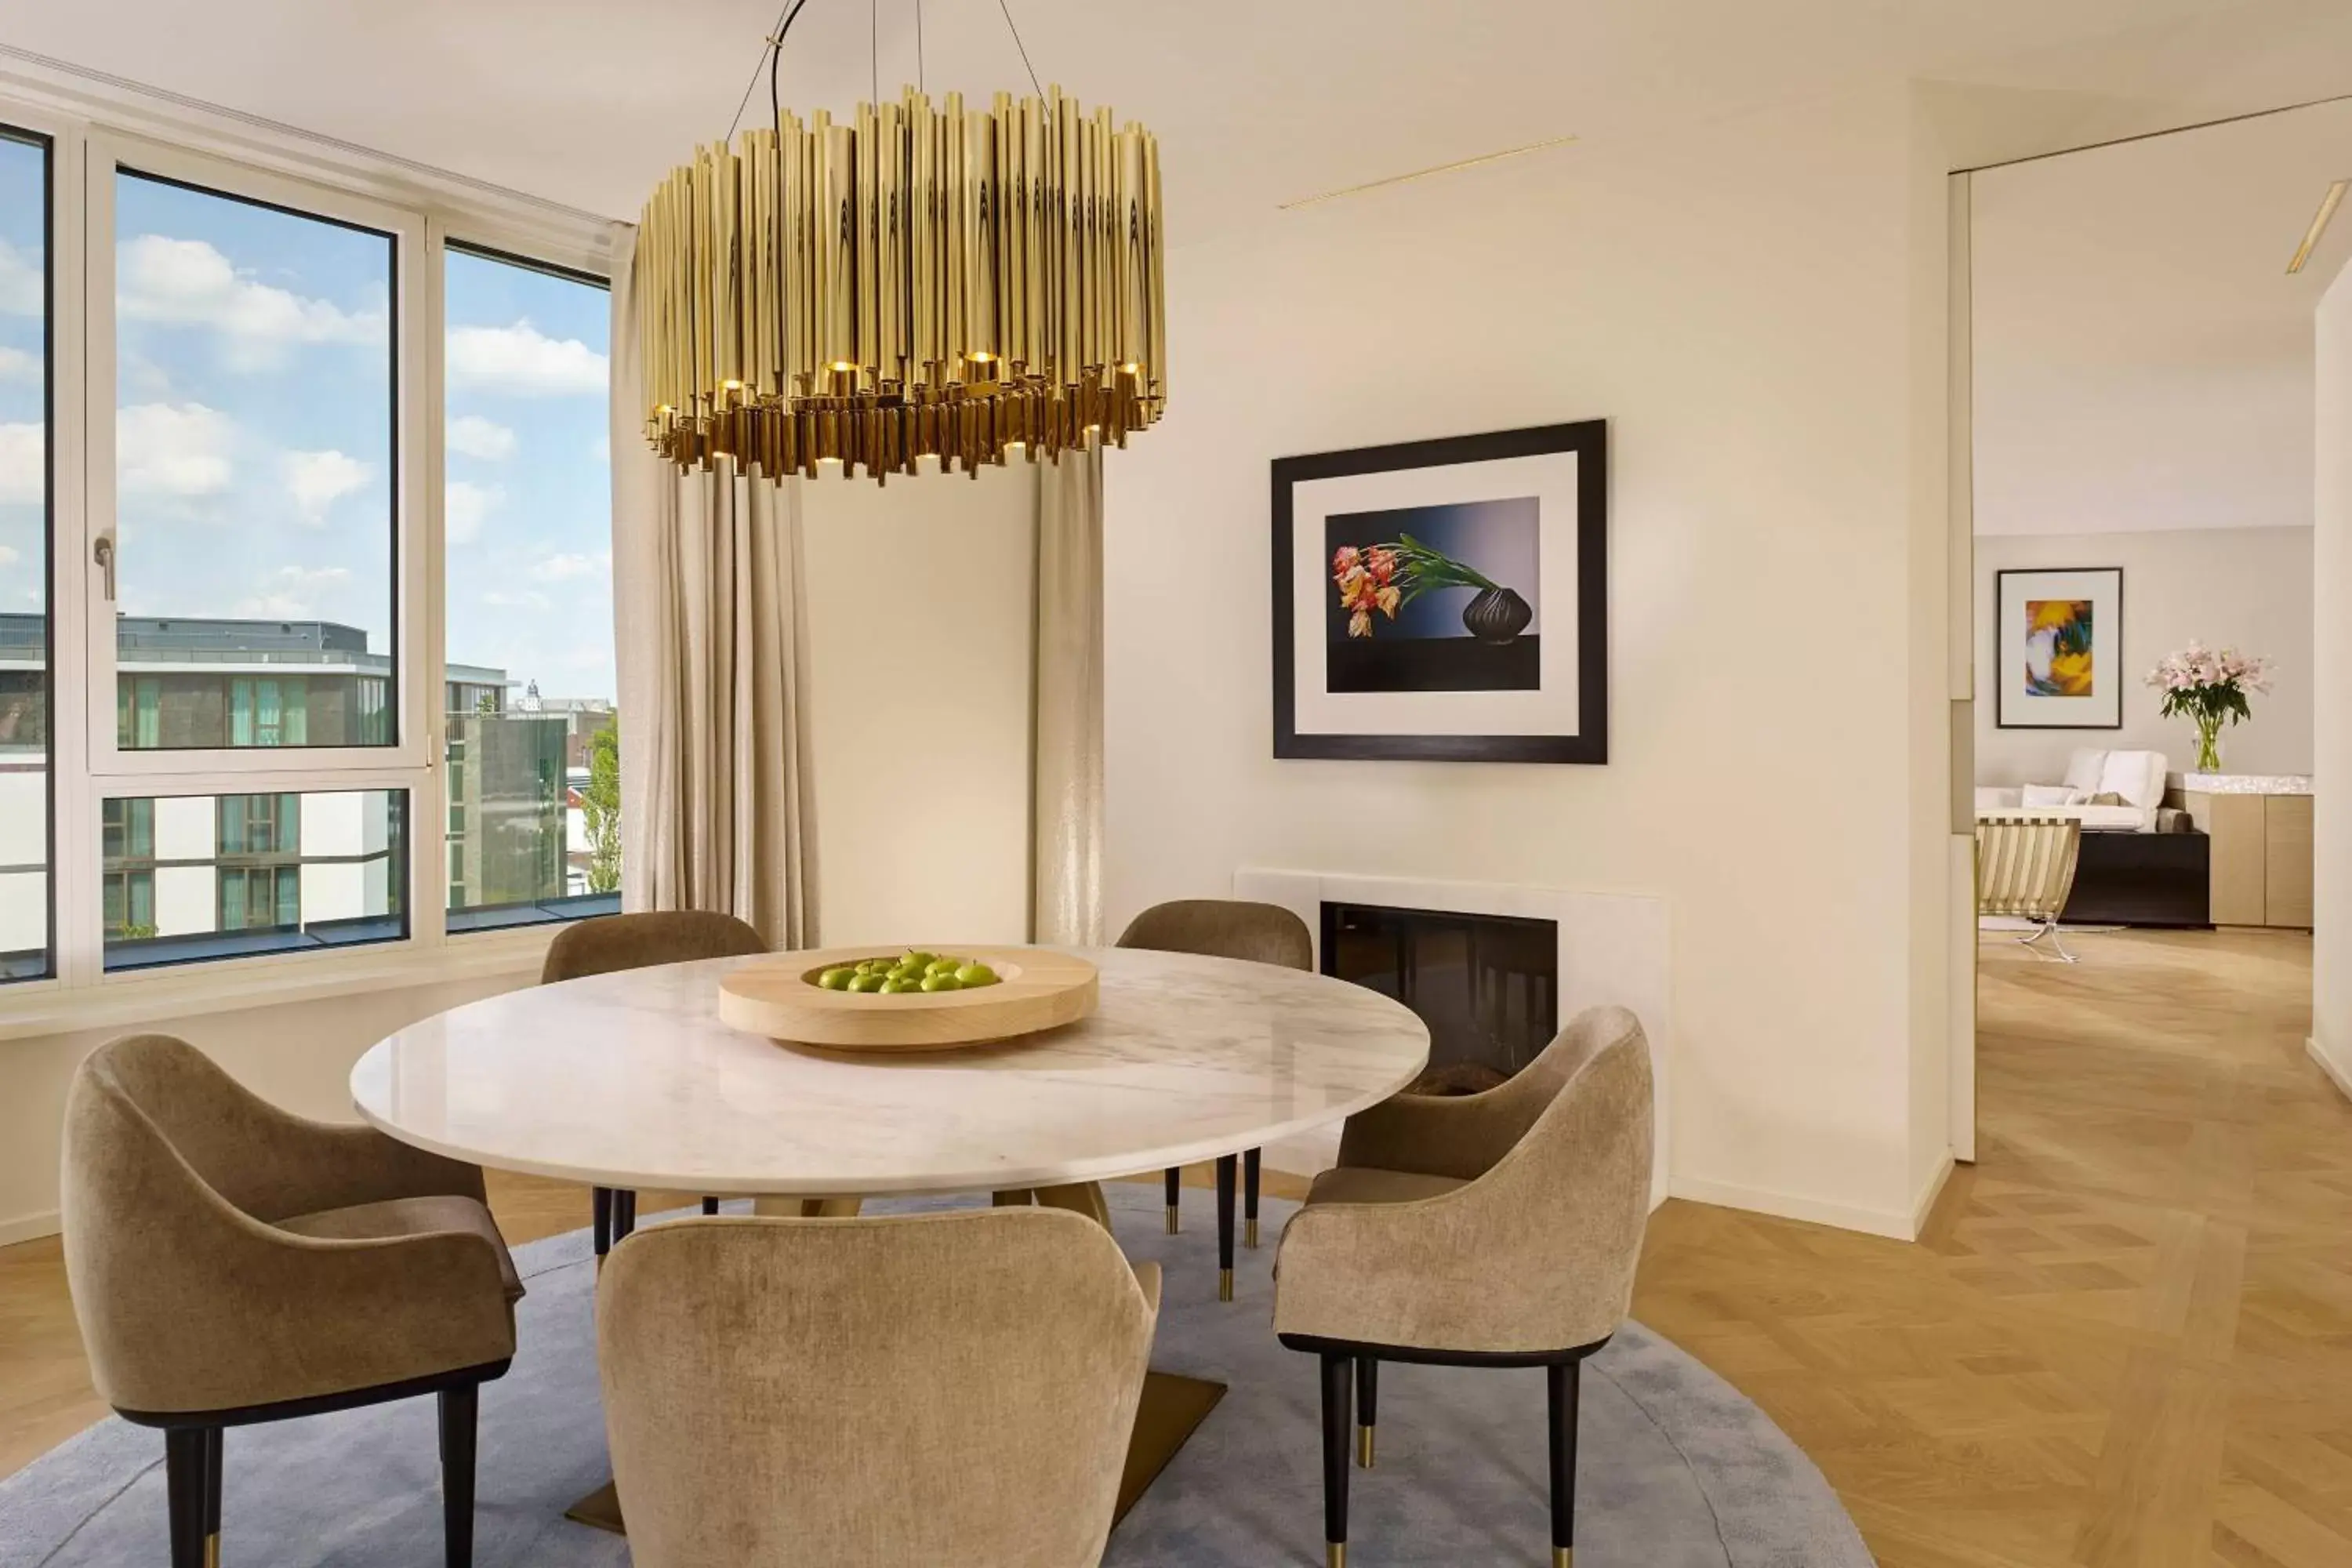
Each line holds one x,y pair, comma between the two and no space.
1249,1234
1364,1448
1224,1284
1335,1554
1563,1557
212,1551
1172,1221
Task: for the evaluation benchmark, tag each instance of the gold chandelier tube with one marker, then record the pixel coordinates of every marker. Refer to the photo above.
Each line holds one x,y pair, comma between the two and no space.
921,282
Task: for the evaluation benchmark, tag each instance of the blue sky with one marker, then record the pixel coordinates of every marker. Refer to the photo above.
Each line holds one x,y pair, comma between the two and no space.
255,454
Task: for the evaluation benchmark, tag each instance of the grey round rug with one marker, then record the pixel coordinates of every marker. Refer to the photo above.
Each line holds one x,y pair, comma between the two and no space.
1676,1470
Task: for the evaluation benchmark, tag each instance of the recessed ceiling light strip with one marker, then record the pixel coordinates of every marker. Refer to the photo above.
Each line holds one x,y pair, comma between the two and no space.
2311,237
1425,174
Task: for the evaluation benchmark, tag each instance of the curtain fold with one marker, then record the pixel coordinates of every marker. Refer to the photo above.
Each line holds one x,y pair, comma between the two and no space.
1066,755
716,812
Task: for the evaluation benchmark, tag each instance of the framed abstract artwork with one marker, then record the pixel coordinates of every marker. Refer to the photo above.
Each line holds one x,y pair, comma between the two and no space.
2058,641
1445,600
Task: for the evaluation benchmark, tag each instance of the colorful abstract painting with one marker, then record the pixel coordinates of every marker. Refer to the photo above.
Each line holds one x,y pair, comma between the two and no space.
2058,648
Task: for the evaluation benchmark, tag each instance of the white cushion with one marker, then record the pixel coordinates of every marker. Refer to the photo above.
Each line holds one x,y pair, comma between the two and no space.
1993,797
2137,776
2050,794
2113,818
2085,769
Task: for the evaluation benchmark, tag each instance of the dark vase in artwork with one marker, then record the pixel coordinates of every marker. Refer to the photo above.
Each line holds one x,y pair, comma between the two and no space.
1497,616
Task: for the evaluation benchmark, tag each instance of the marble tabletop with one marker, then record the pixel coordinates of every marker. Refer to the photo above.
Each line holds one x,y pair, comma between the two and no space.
2246,784
630,1080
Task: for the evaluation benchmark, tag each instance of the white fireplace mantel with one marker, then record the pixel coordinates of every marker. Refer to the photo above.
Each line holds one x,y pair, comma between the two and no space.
1612,950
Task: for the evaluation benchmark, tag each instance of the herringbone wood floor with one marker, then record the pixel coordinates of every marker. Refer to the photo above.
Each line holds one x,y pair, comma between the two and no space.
2125,1341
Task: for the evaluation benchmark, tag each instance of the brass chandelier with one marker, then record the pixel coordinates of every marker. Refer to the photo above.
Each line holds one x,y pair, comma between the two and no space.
924,281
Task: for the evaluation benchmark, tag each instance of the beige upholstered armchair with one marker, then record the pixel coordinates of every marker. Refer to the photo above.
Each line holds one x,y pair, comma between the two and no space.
231,1263
950,1388
1499,1229
612,942
2025,868
1225,928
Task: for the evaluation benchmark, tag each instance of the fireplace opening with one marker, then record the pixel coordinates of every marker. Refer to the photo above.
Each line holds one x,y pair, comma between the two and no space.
1487,986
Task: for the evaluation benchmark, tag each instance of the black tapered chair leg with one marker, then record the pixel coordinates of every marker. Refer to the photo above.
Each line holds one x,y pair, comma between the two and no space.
1368,1406
1564,1384
460,1408
1249,1163
1174,1182
1227,1168
184,1486
624,1216
710,1208
212,1457
601,1199
1338,1375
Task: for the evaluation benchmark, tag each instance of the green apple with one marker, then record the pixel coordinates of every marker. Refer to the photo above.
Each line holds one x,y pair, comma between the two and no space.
941,983
864,984
975,973
898,987
942,966
837,979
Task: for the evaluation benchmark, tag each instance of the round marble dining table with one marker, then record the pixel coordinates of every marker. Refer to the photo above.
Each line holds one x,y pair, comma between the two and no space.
631,1081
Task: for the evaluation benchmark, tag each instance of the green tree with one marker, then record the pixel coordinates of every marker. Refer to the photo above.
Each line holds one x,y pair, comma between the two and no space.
600,805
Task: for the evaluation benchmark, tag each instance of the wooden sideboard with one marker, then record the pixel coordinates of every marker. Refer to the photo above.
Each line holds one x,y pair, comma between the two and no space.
2260,829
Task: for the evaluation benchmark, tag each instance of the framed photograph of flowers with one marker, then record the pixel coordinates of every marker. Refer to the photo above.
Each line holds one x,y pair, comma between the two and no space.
2059,641
1445,600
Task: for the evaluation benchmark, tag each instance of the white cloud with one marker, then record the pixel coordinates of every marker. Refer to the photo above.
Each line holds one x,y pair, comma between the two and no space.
292,592
526,600
24,465
465,505
187,282
21,289
9,555
478,438
563,568
174,449
522,361
317,481
16,365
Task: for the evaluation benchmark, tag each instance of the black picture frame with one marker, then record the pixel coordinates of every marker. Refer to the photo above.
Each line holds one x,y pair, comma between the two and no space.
1589,439
2000,719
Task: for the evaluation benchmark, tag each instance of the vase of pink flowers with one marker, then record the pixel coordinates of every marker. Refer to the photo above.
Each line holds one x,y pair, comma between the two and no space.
2210,687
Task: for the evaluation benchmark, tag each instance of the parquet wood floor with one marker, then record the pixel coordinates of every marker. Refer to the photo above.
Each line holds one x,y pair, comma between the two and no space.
2124,1341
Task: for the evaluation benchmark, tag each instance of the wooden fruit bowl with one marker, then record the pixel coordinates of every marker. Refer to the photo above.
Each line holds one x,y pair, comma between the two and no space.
778,996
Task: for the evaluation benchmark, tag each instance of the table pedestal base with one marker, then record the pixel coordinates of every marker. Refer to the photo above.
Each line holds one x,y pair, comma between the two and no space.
1172,1408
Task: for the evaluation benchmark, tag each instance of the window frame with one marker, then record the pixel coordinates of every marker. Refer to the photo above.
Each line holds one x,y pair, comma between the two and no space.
92,129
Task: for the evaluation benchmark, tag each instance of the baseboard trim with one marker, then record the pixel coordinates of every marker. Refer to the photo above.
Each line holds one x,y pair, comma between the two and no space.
1889,1223
2337,1074
28,1227
1933,1188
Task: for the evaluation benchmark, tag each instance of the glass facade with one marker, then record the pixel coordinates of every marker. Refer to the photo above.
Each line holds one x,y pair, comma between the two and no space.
25,460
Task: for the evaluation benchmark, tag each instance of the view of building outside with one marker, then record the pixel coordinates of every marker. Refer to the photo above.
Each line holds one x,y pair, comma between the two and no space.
528,525
23,561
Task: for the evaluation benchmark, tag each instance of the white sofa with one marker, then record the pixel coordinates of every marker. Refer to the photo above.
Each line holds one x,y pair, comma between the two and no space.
2135,781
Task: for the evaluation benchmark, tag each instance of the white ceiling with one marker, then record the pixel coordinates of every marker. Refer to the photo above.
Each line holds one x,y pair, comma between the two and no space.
1257,102
2142,358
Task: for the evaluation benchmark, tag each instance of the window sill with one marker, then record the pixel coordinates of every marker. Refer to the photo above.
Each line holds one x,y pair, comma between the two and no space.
134,998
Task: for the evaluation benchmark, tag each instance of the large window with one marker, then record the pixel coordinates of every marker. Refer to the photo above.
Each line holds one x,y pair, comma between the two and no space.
305,534
532,729
254,474
24,424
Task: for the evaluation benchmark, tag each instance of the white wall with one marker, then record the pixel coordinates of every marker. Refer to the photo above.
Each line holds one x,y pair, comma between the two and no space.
919,596
2331,935
2250,587
1755,306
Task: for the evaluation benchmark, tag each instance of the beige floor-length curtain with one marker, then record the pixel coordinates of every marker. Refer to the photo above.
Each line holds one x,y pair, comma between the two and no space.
715,811
1067,766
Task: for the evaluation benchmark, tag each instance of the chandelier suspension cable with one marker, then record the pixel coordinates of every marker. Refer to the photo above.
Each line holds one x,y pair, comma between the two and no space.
920,85
775,44
874,44
1017,44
